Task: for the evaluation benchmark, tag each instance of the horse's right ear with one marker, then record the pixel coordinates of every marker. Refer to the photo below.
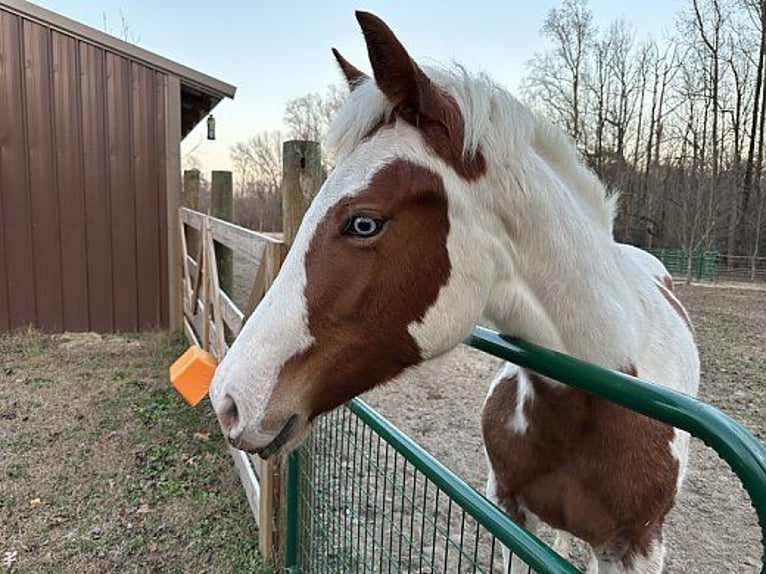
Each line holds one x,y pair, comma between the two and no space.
396,73
354,76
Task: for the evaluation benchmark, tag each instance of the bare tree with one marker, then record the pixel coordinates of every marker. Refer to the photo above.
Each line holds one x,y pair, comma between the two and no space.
757,8
309,116
258,162
678,126
709,28
663,68
623,67
557,79
304,117
125,32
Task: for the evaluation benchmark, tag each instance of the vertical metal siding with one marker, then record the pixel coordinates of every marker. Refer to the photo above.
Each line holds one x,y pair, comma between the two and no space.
121,186
147,208
18,280
42,176
67,147
160,87
82,184
98,211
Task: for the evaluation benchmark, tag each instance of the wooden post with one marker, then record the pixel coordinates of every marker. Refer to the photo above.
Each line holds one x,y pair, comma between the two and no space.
222,207
190,199
301,179
191,189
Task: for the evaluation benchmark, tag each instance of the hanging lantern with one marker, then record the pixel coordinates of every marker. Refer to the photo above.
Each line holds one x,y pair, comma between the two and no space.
210,127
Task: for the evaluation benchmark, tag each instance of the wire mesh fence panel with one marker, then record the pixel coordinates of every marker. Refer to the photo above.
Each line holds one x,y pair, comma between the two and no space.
742,268
364,507
701,265
369,499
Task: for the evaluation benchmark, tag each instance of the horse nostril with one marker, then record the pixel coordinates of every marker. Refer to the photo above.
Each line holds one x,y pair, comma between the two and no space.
228,414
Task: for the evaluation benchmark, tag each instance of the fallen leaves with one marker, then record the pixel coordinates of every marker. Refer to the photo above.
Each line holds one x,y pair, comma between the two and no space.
9,558
202,436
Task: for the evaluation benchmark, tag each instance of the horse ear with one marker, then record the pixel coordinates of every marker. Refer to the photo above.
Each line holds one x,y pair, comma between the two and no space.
396,73
354,76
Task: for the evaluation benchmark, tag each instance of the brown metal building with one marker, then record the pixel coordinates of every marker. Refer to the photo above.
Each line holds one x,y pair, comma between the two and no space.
90,176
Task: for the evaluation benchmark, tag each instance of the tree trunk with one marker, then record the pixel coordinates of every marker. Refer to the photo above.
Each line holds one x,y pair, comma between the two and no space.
747,184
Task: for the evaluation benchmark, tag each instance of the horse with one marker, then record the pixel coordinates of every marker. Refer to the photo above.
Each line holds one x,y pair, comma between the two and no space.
452,203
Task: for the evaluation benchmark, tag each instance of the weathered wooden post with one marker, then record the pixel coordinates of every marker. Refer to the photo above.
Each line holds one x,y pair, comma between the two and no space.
191,189
301,180
222,207
190,199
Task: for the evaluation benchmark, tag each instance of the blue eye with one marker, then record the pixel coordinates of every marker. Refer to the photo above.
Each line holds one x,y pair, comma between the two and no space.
362,226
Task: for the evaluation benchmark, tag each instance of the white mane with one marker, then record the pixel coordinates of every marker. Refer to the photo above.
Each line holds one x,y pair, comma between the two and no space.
495,121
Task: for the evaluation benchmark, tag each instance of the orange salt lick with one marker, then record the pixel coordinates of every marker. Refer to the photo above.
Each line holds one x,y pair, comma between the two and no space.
191,374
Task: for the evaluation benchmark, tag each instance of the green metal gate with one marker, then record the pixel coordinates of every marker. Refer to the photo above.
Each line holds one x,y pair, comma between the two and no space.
704,263
364,497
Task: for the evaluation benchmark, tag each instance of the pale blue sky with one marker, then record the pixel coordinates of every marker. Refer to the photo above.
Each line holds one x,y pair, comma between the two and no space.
277,50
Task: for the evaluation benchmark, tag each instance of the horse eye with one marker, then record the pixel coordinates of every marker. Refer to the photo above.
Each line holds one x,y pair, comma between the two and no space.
362,226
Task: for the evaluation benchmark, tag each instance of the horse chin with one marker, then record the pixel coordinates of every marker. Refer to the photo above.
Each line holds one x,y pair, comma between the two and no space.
288,439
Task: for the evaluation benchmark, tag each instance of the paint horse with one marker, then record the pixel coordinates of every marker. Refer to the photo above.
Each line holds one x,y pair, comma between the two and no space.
450,202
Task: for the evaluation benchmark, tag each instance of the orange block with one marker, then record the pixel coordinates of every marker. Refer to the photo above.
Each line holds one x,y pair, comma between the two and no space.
191,374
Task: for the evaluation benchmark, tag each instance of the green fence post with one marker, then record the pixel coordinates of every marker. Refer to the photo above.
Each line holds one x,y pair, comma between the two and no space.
291,520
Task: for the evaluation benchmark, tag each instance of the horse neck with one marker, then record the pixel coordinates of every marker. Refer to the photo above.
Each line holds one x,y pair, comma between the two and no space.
561,284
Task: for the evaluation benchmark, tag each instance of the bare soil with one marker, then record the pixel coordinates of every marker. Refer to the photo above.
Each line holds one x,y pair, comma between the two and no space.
713,528
104,468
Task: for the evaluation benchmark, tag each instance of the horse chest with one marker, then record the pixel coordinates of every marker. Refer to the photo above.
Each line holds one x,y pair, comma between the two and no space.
578,462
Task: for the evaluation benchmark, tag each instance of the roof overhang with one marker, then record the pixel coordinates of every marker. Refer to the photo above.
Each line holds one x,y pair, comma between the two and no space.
200,93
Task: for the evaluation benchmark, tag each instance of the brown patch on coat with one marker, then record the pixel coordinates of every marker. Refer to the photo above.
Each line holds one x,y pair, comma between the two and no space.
417,100
440,139
362,294
676,305
667,280
584,465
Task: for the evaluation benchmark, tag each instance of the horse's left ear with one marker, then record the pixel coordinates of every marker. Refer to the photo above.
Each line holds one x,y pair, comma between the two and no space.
397,75
354,76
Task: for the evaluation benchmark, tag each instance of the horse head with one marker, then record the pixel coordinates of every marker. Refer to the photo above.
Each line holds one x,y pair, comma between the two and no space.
381,275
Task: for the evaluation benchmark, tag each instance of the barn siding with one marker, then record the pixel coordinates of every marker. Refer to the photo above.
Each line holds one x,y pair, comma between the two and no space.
98,211
69,182
160,88
82,184
15,209
146,197
42,176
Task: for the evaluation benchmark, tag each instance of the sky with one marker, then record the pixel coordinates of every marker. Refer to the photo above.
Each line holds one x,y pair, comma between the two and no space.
273,51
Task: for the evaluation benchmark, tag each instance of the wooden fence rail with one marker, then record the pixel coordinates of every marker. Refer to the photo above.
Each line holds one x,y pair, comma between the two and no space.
207,308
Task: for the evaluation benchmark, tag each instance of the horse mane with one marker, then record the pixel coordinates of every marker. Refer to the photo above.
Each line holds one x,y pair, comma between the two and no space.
495,121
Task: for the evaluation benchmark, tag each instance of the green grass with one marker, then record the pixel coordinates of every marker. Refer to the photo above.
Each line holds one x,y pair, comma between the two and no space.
130,478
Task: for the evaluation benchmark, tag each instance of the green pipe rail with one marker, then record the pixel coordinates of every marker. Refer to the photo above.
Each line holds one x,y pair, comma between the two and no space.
318,481
740,449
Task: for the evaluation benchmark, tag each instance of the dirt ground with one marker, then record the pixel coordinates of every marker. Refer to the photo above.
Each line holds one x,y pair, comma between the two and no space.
713,528
104,468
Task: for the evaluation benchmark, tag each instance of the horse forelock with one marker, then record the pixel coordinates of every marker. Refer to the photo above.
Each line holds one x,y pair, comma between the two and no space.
495,125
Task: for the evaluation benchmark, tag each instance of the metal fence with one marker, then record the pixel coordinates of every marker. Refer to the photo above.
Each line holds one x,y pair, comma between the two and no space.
704,264
369,499
363,497
712,265
741,268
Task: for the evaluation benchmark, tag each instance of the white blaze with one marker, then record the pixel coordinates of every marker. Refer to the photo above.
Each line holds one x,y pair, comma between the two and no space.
279,327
